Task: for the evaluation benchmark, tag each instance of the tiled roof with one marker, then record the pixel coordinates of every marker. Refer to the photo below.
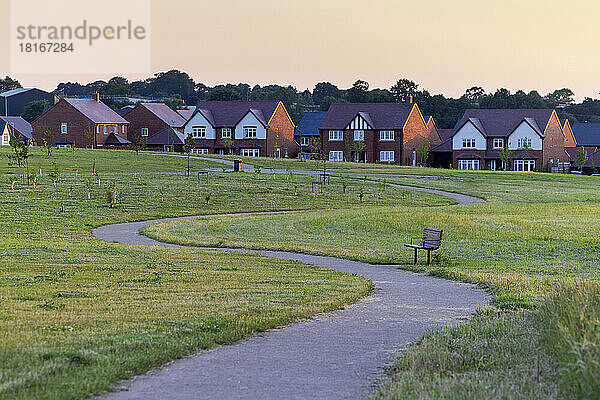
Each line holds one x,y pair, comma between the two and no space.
587,134
445,134
229,113
381,115
310,122
501,122
21,126
97,112
186,114
167,136
165,113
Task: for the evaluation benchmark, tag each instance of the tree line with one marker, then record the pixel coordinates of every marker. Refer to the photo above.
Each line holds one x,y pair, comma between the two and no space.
177,88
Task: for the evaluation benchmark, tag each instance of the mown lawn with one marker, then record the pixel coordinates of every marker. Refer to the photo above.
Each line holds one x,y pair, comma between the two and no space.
78,314
534,244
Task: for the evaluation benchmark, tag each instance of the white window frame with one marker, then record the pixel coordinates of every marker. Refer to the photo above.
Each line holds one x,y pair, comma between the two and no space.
6,139
64,128
201,150
468,143
336,136
524,165
116,129
250,132
304,141
105,129
226,133
250,152
336,155
386,136
386,156
498,143
144,132
468,165
359,136
199,132
521,141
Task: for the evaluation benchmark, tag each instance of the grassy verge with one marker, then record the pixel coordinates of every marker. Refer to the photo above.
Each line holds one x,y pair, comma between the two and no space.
533,244
78,314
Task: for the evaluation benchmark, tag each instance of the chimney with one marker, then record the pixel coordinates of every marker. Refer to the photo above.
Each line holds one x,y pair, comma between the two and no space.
97,97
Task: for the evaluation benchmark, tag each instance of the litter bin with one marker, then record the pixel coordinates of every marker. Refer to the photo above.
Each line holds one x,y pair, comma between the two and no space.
237,165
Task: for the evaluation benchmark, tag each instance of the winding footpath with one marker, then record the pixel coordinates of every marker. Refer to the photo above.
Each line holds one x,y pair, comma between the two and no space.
338,355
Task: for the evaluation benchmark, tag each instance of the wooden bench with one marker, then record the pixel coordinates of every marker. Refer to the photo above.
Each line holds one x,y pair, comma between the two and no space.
431,240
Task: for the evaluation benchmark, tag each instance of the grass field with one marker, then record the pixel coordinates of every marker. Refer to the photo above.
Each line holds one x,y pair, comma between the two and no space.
77,314
534,244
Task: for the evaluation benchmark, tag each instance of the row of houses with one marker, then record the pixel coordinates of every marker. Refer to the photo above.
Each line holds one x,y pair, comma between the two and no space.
395,133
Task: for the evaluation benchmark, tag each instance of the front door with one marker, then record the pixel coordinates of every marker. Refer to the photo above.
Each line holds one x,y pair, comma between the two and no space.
414,158
492,165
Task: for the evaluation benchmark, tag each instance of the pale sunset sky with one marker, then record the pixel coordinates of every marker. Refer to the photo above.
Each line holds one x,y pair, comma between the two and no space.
445,46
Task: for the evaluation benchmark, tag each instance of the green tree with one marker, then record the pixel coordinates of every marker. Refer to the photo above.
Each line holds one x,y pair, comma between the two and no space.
20,154
505,156
188,145
328,101
423,150
8,84
224,94
48,139
562,96
359,92
403,89
323,90
581,158
34,109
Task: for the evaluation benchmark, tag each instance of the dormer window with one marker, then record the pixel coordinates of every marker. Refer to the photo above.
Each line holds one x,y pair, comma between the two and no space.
498,143
250,132
468,143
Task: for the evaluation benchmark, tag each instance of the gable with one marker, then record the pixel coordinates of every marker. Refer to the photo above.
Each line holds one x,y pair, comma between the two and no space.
525,130
359,122
469,131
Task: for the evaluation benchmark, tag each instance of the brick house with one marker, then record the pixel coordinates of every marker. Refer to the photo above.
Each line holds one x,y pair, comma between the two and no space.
433,134
373,132
247,128
307,132
70,120
147,119
533,138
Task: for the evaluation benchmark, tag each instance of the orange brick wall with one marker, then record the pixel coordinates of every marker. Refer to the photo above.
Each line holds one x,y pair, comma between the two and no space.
414,133
281,132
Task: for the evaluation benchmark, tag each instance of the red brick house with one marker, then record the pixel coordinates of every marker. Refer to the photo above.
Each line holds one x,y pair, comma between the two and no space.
373,132
71,120
147,119
433,134
534,140
247,128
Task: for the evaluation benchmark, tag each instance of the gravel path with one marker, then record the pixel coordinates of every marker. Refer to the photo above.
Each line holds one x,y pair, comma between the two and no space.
338,355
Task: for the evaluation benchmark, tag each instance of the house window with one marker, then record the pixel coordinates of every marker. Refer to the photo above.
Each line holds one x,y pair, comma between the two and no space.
524,165
468,164
359,136
226,133
106,129
386,156
550,142
116,129
498,143
198,132
524,142
250,132
144,132
250,152
468,143
335,136
199,151
336,156
97,128
63,128
386,135
5,139
304,141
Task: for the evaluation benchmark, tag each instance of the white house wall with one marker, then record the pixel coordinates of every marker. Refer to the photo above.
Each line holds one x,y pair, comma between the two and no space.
199,120
5,134
250,120
524,130
468,131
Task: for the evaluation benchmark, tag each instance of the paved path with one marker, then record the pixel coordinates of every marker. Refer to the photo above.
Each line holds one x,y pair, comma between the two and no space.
338,355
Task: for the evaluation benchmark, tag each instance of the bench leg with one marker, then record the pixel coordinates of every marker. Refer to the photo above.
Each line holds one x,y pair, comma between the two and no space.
428,257
415,256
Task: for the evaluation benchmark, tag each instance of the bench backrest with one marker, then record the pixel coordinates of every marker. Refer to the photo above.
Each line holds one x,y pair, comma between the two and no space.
432,238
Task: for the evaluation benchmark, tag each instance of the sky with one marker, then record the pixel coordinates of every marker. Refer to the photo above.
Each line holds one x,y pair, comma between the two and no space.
445,46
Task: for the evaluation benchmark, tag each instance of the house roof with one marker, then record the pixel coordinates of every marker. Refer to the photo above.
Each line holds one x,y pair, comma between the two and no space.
502,122
21,126
380,115
167,136
97,112
444,147
123,111
445,134
12,92
587,134
310,122
186,114
116,139
229,113
165,113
